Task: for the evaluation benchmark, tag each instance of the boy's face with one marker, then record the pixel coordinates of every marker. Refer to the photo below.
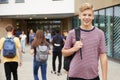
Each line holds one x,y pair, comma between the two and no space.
86,17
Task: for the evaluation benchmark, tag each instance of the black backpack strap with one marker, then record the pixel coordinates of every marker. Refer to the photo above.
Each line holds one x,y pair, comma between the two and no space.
78,35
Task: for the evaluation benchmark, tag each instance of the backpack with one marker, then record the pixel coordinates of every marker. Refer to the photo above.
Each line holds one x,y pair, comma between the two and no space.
9,47
42,53
68,59
58,41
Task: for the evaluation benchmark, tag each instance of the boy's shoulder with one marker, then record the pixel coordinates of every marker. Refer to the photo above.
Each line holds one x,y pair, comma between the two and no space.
72,31
16,37
99,30
2,39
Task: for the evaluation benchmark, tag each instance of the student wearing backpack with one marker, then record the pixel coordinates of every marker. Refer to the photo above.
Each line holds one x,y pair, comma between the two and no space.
92,44
57,42
38,45
9,44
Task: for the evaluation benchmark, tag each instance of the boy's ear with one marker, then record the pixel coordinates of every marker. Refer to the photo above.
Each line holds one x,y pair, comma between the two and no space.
93,17
79,17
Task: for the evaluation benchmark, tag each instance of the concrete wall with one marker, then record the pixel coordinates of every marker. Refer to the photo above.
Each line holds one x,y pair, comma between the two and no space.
37,7
98,4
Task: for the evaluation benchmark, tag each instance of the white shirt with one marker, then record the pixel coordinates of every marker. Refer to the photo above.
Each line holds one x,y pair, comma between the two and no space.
23,37
48,36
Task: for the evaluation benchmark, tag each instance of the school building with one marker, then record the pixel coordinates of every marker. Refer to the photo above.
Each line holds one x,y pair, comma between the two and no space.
63,15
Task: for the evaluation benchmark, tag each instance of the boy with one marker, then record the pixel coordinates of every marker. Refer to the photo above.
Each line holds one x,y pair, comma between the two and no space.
11,63
93,47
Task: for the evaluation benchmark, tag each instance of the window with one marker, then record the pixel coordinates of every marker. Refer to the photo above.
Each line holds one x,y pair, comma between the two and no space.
19,1
116,31
3,1
108,20
102,19
96,19
109,30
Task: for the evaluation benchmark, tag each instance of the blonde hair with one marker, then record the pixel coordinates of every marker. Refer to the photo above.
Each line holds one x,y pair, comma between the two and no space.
86,6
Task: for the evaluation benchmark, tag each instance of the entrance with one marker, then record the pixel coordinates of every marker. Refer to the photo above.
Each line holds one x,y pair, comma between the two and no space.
50,25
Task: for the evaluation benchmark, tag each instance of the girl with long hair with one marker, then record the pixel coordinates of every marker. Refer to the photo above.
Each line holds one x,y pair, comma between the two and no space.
39,40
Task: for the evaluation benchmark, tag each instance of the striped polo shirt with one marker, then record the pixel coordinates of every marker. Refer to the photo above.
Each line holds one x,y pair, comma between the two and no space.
93,44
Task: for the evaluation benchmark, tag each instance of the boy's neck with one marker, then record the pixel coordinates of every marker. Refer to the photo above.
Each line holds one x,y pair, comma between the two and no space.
86,27
9,34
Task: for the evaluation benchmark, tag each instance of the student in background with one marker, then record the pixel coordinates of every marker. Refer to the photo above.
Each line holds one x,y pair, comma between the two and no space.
11,63
31,36
18,32
57,42
39,40
48,36
23,41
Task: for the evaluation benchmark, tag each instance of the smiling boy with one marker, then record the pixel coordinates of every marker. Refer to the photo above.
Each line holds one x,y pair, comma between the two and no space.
93,48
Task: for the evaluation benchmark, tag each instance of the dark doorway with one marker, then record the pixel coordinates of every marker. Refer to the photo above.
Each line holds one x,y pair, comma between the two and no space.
46,24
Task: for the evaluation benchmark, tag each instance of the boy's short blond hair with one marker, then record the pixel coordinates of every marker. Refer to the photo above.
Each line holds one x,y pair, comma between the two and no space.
86,6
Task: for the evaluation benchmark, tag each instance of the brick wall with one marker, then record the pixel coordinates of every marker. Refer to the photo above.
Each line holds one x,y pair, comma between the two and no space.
3,23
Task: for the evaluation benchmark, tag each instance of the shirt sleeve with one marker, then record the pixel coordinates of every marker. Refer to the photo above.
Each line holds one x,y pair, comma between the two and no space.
102,47
17,41
1,43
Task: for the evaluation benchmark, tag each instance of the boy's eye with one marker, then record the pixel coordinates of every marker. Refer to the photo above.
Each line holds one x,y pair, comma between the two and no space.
89,15
84,14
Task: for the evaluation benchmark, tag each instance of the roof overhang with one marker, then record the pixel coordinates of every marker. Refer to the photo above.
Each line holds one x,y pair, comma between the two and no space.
39,16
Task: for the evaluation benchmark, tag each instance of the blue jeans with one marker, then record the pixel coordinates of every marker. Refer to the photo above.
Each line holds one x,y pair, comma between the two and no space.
36,66
23,46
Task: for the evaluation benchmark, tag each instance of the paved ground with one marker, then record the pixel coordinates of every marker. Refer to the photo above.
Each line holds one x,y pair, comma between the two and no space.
26,71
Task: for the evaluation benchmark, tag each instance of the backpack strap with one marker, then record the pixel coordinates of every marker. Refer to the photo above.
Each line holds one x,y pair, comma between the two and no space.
12,37
78,35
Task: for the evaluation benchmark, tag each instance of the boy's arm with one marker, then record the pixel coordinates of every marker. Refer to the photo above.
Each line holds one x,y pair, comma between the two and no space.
104,65
0,56
1,45
20,55
76,47
32,51
20,51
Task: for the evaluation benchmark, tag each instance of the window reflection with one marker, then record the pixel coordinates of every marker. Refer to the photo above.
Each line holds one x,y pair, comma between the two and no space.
102,19
116,36
19,1
109,30
96,18
3,1
110,24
